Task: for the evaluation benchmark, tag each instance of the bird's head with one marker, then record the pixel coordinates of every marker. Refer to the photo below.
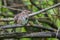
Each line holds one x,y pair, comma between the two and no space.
26,11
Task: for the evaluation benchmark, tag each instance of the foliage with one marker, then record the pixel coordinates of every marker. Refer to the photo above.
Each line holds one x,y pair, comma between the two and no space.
41,3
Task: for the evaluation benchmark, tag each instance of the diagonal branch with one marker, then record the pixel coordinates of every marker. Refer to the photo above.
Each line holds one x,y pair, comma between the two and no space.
35,13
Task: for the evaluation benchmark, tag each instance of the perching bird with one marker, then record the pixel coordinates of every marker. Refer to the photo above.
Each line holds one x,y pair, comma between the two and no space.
21,18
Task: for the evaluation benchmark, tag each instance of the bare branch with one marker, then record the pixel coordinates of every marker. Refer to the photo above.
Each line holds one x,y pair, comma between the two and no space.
11,8
34,26
34,13
6,19
30,35
44,10
43,20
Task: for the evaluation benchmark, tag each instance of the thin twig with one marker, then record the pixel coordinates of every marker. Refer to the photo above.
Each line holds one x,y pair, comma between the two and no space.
11,8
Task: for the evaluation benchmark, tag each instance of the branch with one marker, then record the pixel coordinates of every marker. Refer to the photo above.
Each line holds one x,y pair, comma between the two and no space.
39,8
43,35
30,35
11,8
12,19
34,13
43,20
44,10
34,26
50,23
6,19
